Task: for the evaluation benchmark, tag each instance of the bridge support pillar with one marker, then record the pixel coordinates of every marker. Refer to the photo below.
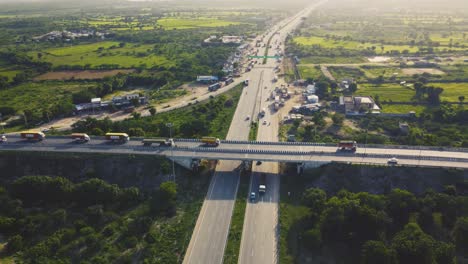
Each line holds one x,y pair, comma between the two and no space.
300,168
195,164
186,163
247,165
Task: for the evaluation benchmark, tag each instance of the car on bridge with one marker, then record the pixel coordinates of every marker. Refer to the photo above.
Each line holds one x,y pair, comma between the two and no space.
3,138
392,161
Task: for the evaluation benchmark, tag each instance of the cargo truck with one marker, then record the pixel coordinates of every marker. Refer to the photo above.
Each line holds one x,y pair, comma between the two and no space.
211,141
80,137
119,137
262,184
347,145
214,87
32,135
163,142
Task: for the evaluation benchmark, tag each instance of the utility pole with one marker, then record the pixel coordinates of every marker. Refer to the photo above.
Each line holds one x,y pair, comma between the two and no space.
170,125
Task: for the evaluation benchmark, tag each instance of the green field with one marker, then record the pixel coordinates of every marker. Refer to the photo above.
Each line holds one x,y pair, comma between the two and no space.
353,45
452,91
39,96
186,23
322,59
386,92
108,52
8,72
403,109
313,72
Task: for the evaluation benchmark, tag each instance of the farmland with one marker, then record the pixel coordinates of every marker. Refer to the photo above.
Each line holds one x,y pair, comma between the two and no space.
186,23
80,75
102,53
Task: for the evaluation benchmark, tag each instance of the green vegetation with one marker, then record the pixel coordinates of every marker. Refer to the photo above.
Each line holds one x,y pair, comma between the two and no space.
94,221
183,23
312,72
231,254
211,118
358,227
253,130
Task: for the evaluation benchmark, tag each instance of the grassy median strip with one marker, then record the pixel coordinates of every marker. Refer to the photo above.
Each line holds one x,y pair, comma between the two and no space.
253,131
231,254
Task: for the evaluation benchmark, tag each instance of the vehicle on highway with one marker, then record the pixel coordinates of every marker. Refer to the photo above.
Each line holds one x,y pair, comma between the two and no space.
228,81
252,196
264,122
262,113
210,141
80,137
3,138
392,161
246,82
247,118
262,184
259,163
117,137
214,87
347,145
163,142
32,135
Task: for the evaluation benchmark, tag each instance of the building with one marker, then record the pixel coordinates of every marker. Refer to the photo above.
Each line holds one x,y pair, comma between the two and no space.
207,79
358,104
312,99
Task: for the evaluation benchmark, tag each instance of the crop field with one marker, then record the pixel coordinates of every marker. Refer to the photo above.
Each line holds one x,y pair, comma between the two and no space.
8,72
387,92
334,59
411,71
404,109
186,23
346,72
80,75
353,45
129,56
452,91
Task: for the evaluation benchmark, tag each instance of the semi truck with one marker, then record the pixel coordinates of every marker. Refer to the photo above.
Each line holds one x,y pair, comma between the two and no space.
119,137
80,137
347,145
163,142
214,87
211,141
33,135
262,184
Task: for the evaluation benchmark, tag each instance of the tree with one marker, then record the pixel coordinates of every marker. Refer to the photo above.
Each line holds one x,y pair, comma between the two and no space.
163,201
412,245
15,243
400,204
136,115
460,233
315,199
461,98
353,87
338,119
322,88
376,252
152,111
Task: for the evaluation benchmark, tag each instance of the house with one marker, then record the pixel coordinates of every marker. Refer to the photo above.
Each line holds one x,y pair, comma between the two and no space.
358,104
312,99
310,89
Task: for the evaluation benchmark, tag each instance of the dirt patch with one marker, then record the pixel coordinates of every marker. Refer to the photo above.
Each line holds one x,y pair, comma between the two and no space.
80,75
378,59
411,71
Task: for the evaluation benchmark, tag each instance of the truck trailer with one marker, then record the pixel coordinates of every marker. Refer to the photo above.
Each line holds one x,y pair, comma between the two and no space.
347,145
214,87
211,141
119,137
80,137
163,142
33,135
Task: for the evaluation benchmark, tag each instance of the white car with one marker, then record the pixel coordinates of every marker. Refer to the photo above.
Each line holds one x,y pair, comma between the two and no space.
3,139
392,161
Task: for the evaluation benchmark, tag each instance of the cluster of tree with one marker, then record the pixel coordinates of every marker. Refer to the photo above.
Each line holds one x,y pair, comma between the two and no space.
394,228
48,218
432,93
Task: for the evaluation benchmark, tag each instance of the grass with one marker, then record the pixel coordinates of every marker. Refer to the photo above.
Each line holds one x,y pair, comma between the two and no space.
231,253
306,72
403,109
334,59
108,52
386,92
352,45
253,131
452,91
345,72
186,23
8,72
39,96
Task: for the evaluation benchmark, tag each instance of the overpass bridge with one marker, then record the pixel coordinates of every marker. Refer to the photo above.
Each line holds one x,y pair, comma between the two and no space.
188,150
